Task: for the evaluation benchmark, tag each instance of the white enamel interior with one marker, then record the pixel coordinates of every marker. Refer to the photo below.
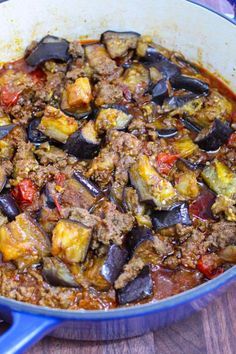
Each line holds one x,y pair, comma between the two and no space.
200,34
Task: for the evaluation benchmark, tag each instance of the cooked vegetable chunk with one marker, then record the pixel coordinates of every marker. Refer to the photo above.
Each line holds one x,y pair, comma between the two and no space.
185,147
178,214
95,275
190,84
114,262
56,273
113,117
57,125
138,289
70,241
84,143
187,184
220,179
9,206
50,47
150,185
212,138
118,43
99,59
23,241
136,78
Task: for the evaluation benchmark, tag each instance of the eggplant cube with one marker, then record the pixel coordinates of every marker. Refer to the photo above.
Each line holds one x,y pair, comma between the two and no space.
79,94
57,125
112,118
113,265
23,241
150,186
220,179
56,273
84,143
178,214
70,241
118,43
9,206
137,289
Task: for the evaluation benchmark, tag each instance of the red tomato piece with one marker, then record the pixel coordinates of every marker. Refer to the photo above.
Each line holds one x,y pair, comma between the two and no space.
232,140
8,96
165,162
208,265
25,191
201,207
60,179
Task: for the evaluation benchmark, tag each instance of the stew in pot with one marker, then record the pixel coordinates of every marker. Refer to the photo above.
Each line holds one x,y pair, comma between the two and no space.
117,175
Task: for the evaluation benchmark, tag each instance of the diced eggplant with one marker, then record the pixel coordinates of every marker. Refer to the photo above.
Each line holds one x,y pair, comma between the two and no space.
175,102
76,98
56,273
3,178
131,202
189,83
185,146
94,274
35,136
6,129
161,63
23,241
112,117
114,263
177,214
192,165
48,192
84,143
49,48
56,125
160,91
220,179
9,206
70,241
137,236
210,139
136,78
118,43
187,185
167,133
190,125
151,187
201,207
76,195
137,289
90,186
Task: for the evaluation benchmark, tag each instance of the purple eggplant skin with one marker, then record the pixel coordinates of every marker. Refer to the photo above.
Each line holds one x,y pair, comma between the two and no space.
137,289
138,235
9,206
160,92
161,63
190,126
192,165
49,198
56,273
189,84
167,133
112,41
34,135
90,186
49,48
80,147
114,263
6,129
175,102
178,214
210,139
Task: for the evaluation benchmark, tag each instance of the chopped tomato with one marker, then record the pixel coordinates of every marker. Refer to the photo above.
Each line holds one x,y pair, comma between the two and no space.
232,140
8,96
201,207
165,162
209,264
60,179
25,191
